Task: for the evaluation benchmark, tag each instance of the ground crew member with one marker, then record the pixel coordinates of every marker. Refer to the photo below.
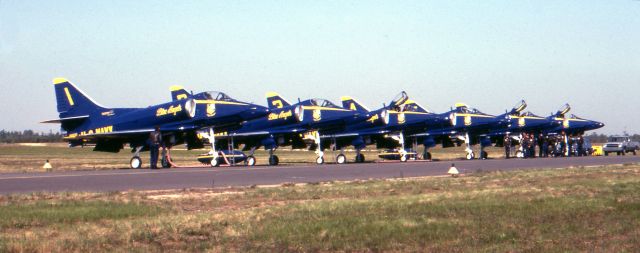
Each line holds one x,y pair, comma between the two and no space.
532,145
524,143
155,139
581,151
545,145
563,144
507,146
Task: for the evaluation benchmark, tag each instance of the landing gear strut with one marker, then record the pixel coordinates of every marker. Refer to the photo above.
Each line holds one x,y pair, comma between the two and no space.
468,149
316,139
273,159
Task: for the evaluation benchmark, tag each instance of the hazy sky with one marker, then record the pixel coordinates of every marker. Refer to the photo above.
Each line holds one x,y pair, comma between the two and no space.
489,54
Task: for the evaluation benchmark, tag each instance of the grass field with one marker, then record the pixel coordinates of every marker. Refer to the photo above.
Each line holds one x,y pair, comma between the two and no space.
595,209
31,157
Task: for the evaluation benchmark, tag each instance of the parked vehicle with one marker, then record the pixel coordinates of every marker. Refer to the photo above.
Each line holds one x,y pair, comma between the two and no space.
620,145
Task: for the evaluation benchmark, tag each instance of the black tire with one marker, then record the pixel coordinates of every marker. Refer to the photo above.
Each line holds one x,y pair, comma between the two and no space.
341,159
165,162
606,153
426,156
214,162
484,155
634,152
274,160
137,164
251,161
359,158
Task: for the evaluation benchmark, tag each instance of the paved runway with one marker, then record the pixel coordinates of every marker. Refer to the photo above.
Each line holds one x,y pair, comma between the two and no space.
178,178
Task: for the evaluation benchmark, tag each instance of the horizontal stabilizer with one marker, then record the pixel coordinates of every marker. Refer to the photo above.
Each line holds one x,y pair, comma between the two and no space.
60,120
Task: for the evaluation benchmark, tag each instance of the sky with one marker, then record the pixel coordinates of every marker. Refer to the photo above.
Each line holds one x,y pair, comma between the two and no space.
488,54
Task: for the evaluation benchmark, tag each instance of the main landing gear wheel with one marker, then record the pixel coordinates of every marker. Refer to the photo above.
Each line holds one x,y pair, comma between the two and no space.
359,158
484,155
214,162
606,153
470,155
135,162
341,159
403,158
251,160
320,160
165,162
274,160
426,156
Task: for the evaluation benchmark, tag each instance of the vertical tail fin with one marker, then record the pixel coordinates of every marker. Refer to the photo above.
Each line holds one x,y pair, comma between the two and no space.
275,101
178,93
352,104
72,101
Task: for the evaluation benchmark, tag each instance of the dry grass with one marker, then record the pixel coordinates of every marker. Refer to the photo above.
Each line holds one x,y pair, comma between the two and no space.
552,210
31,158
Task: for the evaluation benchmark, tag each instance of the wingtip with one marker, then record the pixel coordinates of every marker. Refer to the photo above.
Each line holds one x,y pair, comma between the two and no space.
59,80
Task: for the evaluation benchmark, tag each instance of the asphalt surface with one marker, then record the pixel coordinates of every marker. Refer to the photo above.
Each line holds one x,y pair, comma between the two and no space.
207,177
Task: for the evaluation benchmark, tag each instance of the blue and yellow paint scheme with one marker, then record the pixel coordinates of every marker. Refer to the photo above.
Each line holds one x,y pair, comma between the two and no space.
286,124
85,122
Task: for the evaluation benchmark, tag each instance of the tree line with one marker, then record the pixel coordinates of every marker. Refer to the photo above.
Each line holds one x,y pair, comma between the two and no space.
32,136
29,136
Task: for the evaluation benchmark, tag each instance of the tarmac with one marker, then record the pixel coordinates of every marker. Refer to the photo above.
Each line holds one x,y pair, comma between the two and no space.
208,177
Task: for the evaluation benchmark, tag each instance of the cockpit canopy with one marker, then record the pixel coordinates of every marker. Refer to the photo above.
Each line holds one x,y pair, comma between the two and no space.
216,95
399,99
321,102
463,108
412,106
529,114
563,110
573,116
520,106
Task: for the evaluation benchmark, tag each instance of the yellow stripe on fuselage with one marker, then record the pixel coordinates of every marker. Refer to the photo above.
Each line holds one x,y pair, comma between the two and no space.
323,108
66,91
526,117
474,115
218,102
421,113
583,120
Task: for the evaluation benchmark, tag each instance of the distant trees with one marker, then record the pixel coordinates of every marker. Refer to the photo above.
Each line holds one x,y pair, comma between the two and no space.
601,138
29,136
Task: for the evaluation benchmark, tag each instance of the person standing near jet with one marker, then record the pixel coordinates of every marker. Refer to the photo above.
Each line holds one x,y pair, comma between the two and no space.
540,144
581,151
507,146
524,143
155,138
545,145
532,145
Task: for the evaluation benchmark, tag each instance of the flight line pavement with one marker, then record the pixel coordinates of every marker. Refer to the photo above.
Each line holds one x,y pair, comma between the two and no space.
208,177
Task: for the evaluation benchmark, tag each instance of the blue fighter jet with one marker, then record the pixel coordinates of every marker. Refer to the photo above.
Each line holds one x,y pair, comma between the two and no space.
401,117
297,125
85,122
